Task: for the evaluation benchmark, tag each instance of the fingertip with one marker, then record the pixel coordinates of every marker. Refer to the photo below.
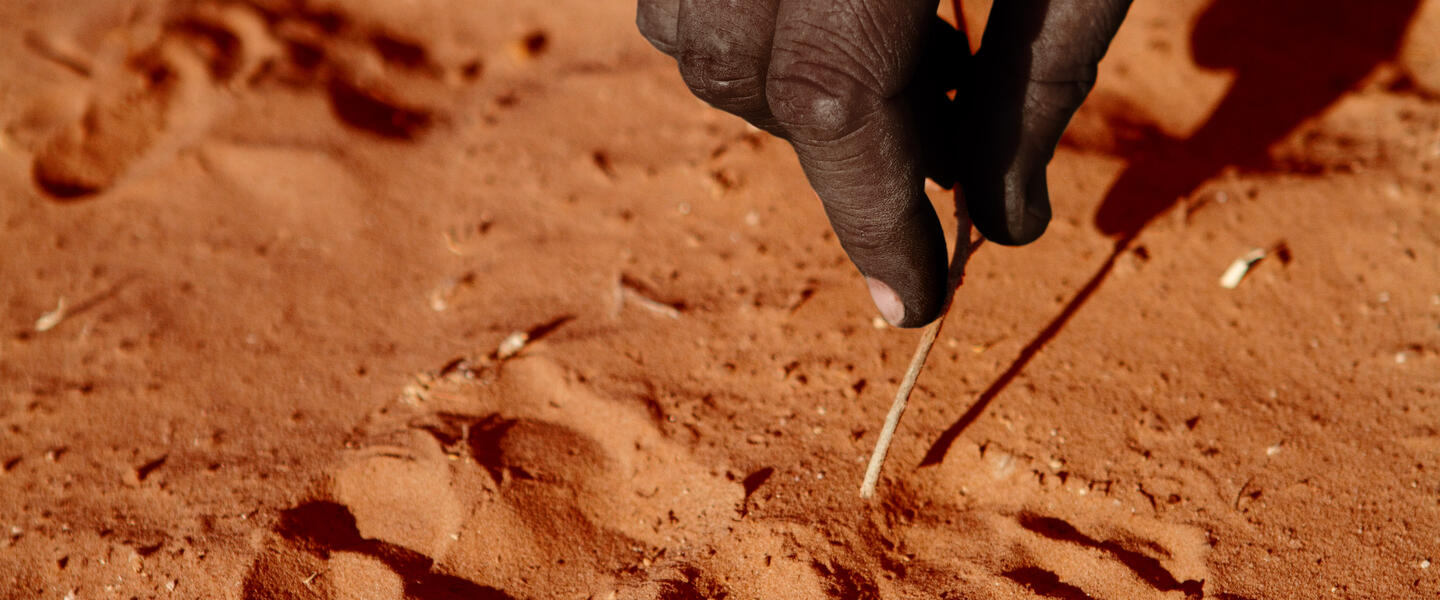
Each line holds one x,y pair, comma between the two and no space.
923,307
910,289
1010,213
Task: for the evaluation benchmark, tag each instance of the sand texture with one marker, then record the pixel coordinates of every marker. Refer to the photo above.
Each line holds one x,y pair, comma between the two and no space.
259,261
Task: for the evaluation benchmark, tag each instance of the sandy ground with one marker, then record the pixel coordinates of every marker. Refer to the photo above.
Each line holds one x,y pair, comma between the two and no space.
289,238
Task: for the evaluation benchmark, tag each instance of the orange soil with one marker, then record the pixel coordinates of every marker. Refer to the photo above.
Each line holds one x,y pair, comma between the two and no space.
290,236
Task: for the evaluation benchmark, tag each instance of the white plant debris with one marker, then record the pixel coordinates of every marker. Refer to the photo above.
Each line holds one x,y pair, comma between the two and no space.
1237,270
50,319
512,345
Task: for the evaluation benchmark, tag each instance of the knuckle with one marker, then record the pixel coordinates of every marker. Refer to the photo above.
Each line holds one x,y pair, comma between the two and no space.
720,77
819,101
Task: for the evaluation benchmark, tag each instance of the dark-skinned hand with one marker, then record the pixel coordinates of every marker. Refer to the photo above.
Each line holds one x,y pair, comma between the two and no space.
859,89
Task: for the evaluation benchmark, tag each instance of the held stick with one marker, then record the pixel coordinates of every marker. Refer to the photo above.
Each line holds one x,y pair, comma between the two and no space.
902,397
963,250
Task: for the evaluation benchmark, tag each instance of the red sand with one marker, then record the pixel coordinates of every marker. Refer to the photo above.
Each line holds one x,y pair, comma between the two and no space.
289,237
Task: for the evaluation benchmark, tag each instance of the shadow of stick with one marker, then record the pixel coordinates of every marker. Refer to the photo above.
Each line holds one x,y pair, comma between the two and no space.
1261,42
941,447
102,296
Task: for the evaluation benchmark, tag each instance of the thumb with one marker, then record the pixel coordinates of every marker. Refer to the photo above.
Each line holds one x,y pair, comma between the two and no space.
855,134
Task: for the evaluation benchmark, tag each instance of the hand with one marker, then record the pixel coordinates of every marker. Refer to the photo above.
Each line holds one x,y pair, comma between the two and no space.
858,88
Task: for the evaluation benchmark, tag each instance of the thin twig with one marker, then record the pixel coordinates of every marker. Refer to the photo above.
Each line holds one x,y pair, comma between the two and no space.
902,397
964,248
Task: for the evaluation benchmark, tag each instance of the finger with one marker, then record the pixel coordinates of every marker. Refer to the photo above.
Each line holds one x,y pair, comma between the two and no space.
837,70
724,50
1033,70
657,21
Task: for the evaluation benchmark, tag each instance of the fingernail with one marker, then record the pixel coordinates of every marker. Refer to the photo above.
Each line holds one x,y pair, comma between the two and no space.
887,301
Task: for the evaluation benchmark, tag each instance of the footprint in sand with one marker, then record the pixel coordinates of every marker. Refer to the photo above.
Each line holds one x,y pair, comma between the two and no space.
1027,532
402,497
1113,559
529,484
163,98
160,100
125,124
583,488
388,519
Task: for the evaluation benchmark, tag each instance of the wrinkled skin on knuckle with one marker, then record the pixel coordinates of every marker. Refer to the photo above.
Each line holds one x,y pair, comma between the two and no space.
719,77
879,39
818,102
890,35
